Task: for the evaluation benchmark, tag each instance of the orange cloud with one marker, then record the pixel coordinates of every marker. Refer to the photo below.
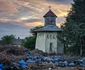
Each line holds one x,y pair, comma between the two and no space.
58,24
33,24
31,9
23,18
8,6
4,20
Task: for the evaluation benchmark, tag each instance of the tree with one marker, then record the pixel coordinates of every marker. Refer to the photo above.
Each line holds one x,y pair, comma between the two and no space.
35,28
0,42
29,42
73,33
6,40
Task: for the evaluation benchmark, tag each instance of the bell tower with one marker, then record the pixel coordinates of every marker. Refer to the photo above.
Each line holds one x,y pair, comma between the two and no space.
50,18
47,40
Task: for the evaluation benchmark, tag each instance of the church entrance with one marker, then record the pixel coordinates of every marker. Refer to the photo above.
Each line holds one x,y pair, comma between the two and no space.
51,47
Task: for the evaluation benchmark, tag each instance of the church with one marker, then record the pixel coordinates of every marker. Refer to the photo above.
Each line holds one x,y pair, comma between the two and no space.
47,36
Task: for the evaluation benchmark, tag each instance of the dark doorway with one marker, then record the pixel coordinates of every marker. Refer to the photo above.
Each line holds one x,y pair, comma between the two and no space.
51,45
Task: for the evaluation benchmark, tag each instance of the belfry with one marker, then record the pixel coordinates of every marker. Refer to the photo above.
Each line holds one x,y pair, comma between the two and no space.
47,39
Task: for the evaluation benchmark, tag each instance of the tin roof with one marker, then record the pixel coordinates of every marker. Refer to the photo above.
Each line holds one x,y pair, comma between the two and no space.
49,28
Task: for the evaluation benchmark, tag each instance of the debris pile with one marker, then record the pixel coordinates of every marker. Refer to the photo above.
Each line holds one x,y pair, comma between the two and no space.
11,59
37,52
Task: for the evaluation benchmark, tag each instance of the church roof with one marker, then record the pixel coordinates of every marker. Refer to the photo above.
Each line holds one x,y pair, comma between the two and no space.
49,28
50,13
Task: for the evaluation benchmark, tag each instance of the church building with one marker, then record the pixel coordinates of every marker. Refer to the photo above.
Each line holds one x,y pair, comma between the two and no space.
47,36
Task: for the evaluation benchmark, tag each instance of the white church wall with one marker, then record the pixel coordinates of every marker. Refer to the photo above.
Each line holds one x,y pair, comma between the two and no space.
45,38
51,37
60,47
40,41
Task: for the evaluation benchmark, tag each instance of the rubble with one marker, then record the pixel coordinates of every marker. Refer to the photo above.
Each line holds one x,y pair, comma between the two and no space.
37,52
36,59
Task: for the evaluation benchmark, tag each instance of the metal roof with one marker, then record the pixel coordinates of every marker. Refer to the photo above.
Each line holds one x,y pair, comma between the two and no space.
49,28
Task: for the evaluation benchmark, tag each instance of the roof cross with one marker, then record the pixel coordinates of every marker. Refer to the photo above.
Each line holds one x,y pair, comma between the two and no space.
49,7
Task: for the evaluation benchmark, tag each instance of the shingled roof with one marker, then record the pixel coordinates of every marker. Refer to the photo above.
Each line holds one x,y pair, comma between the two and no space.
50,13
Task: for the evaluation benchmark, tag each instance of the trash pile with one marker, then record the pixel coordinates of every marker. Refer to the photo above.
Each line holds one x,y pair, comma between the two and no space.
53,61
10,56
41,62
36,60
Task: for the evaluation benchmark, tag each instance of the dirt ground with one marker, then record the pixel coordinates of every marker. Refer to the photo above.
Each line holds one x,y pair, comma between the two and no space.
65,68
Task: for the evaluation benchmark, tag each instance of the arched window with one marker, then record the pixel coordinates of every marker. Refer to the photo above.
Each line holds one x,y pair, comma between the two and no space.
51,45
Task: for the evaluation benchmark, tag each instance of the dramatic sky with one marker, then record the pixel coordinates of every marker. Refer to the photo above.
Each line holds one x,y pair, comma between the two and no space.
18,16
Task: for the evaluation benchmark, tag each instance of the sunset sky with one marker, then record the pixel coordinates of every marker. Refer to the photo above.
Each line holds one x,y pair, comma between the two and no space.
18,16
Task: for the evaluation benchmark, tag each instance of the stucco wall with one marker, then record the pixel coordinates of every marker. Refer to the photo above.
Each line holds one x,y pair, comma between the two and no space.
40,41
50,37
60,47
45,38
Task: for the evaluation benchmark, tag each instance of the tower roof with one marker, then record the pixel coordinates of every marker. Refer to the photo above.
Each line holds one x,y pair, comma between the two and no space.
49,28
49,14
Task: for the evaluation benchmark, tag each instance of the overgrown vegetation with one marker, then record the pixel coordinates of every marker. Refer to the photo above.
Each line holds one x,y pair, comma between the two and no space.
73,34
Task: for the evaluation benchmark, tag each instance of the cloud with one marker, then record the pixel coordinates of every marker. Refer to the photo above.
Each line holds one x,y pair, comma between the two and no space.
18,16
4,20
7,6
60,1
59,6
34,24
7,28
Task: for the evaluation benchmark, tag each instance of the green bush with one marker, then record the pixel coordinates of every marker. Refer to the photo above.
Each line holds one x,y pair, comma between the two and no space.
29,42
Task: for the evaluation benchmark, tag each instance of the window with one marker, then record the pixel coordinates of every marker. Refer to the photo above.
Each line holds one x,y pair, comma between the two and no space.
51,45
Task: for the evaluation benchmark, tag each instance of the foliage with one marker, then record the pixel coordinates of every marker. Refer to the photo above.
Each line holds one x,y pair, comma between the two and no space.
6,40
73,34
0,42
35,28
29,42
